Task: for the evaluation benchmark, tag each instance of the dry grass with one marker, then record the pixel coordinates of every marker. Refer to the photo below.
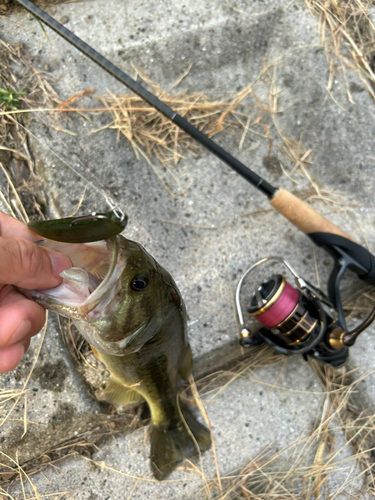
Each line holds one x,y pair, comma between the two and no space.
356,420
23,82
23,75
348,35
316,465
21,190
250,114
145,127
251,117
154,137
311,466
9,401
102,428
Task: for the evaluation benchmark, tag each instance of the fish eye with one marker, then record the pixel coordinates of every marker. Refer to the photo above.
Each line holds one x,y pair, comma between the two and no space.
139,283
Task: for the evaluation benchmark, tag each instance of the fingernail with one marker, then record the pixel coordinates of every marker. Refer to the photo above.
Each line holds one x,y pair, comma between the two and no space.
22,348
21,332
60,262
25,345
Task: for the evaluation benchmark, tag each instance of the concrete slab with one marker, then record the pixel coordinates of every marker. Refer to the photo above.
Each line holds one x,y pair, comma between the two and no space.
228,49
245,420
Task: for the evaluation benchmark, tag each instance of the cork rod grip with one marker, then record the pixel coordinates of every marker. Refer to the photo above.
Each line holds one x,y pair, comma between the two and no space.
301,215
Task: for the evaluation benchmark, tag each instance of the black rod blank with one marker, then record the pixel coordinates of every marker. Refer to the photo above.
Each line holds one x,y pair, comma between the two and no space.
235,164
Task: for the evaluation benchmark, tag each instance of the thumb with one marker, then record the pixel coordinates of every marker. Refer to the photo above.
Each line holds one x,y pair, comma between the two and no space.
24,264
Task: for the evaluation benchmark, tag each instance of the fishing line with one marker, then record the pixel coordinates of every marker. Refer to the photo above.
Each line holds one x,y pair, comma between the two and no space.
107,197
114,205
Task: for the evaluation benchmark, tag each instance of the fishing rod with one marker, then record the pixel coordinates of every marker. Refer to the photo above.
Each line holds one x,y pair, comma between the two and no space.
299,319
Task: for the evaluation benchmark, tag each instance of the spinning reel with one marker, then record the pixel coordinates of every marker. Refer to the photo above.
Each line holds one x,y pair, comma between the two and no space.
298,319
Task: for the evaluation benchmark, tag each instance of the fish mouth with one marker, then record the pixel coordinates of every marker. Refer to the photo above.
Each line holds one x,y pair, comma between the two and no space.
89,288
90,292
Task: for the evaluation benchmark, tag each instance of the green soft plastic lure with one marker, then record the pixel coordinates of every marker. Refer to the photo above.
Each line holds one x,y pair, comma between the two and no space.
85,229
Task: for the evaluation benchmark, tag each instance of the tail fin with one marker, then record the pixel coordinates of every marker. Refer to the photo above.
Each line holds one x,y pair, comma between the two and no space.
171,443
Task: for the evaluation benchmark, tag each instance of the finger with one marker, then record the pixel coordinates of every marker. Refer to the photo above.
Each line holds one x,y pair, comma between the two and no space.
9,226
24,264
20,319
11,356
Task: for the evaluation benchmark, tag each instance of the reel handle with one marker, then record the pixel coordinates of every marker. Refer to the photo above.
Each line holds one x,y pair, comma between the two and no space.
304,217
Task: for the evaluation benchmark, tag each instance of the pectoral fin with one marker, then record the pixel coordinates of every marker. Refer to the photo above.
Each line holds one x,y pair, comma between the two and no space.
95,352
116,393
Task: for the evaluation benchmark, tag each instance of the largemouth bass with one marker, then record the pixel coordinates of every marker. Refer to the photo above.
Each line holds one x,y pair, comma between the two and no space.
131,312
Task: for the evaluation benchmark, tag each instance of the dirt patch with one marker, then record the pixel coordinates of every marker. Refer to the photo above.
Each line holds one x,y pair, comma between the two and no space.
272,164
51,376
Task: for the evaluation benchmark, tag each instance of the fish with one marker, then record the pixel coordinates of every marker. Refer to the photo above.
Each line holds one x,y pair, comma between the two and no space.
129,309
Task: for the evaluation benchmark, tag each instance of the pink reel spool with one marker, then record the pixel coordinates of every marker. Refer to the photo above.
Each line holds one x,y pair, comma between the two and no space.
274,301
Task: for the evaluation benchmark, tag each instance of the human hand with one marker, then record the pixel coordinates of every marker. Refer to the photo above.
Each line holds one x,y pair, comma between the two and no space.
24,264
